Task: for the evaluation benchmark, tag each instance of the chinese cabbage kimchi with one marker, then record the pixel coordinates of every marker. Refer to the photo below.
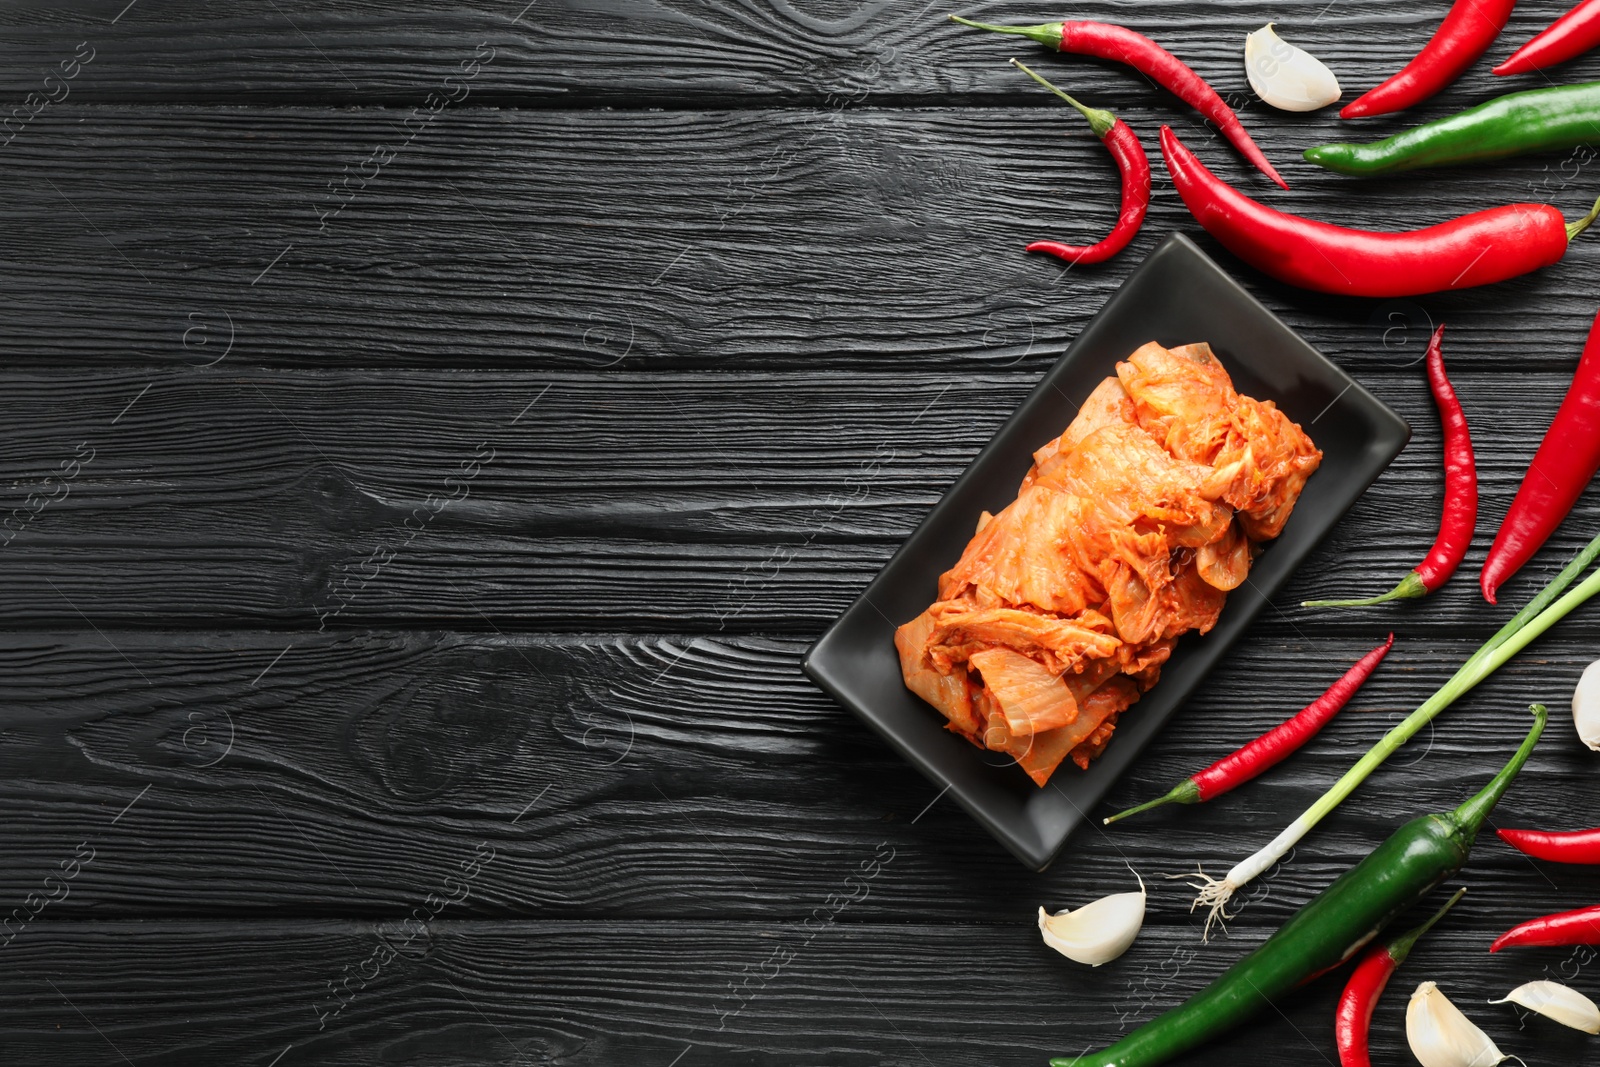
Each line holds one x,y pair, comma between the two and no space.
1127,532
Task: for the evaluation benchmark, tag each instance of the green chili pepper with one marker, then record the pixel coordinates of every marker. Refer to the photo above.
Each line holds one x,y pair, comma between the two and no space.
1539,120
1324,933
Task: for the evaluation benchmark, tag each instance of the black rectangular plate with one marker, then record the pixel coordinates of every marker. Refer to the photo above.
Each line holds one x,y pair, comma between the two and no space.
1176,296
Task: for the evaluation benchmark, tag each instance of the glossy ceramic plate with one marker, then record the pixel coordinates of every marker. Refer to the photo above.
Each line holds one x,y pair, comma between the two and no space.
1176,296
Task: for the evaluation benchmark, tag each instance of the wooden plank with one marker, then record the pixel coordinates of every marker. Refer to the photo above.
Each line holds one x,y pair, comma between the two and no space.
598,52
882,239
703,478
646,992
650,501
738,303
613,501
302,774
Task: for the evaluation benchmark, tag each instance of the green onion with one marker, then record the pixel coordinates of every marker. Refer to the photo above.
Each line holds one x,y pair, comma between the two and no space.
1544,611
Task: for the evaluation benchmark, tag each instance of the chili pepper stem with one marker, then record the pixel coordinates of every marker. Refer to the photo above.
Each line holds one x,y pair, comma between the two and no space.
1099,121
1410,587
1575,228
1401,946
1185,792
1046,33
1473,812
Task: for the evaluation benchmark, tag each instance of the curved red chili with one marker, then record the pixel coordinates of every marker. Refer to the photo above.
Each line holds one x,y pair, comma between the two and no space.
1465,34
1566,460
1272,747
1132,163
1460,515
1579,927
1333,259
1573,846
1352,1020
1119,44
1566,38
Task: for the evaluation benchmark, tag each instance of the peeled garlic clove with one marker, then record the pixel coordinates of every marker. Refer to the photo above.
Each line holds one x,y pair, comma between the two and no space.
1440,1036
1096,933
1286,77
1586,706
1555,1001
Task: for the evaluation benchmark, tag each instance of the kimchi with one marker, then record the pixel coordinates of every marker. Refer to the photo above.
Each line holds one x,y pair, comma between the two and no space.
1127,533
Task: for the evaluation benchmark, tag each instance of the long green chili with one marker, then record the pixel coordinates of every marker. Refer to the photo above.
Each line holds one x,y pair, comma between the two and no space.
1539,120
1327,931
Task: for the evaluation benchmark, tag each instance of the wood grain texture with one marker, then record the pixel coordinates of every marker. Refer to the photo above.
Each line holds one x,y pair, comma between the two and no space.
690,310
673,502
881,239
256,773
687,52
646,992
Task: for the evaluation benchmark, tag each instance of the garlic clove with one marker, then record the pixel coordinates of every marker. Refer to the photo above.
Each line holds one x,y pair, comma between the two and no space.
1440,1036
1098,932
1286,77
1586,706
1555,1001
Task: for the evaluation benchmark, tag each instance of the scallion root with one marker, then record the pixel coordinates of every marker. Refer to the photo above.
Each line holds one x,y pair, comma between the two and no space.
1212,894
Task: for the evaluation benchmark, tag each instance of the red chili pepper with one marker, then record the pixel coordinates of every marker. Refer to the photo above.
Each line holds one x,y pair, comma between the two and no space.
1122,45
1566,460
1352,1020
1574,846
1580,927
1134,165
1272,747
1332,259
1460,515
1465,34
1566,38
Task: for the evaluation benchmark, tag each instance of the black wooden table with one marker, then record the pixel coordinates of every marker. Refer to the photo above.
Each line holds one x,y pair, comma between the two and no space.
434,432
